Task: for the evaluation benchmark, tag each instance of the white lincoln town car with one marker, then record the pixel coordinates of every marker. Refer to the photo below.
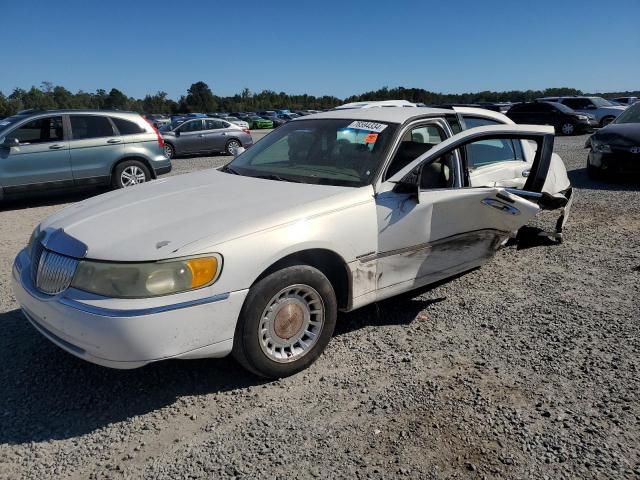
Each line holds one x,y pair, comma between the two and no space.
329,212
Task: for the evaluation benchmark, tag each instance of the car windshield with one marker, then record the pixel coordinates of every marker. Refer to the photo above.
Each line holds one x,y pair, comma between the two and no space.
327,152
630,115
231,119
7,122
601,102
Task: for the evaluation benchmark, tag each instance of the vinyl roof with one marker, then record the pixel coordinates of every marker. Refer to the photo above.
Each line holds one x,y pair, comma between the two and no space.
378,114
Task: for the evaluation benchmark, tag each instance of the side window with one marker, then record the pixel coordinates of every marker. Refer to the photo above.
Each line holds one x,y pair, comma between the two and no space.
415,142
192,126
577,103
125,127
472,122
454,124
487,152
214,124
90,126
42,130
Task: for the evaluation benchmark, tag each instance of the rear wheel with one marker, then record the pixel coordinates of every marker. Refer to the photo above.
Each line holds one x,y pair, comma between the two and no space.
567,128
286,322
129,173
232,145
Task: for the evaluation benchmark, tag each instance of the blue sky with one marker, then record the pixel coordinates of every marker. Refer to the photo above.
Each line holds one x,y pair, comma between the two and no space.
321,47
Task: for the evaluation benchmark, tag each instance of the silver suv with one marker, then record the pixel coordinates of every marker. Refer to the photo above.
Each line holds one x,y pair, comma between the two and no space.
602,110
45,150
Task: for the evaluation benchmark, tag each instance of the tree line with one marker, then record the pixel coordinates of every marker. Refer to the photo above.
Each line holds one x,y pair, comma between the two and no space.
200,98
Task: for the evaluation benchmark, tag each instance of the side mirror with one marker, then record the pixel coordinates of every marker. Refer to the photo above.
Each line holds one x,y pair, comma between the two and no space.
410,183
10,142
237,151
177,132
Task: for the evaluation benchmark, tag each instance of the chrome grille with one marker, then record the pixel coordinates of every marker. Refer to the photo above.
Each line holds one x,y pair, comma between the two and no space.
36,255
53,272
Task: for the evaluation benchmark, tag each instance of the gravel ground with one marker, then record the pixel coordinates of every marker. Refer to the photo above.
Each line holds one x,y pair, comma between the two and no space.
527,367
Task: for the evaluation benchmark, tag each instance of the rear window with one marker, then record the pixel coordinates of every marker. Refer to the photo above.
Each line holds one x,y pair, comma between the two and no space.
125,127
90,126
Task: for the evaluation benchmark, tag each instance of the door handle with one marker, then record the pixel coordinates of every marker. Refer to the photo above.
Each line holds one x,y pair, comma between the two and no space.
201,135
56,146
114,140
526,172
503,207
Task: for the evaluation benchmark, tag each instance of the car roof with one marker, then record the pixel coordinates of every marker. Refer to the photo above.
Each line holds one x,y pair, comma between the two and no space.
384,114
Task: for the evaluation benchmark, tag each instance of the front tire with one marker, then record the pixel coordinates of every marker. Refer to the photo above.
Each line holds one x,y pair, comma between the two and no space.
169,151
606,121
594,172
129,173
286,322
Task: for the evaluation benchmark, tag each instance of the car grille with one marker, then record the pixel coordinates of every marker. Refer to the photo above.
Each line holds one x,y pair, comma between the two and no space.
51,272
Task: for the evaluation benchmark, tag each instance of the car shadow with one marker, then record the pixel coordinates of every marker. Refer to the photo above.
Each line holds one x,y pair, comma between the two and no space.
48,394
49,199
580,179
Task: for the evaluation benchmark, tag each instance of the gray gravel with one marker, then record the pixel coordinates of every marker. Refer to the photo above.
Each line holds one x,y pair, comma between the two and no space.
527,367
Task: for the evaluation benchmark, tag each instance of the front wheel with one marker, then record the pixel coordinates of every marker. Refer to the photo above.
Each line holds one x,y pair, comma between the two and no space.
231,146
286,322
594,172
169,151
129,173
606,121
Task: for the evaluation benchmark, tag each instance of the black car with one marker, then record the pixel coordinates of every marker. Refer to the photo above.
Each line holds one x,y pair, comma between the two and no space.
565,120
616,147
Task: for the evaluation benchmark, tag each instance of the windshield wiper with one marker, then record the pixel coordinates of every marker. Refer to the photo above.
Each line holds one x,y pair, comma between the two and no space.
273,176
228,169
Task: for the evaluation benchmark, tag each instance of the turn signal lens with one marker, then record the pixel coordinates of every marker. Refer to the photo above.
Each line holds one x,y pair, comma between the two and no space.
203,270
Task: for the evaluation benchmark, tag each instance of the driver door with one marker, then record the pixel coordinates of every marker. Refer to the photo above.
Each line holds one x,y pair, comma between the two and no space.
429,230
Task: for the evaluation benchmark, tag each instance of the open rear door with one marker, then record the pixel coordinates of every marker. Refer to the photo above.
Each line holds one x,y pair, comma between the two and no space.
427,233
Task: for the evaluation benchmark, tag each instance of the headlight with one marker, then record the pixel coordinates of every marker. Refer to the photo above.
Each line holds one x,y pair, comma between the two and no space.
601,147
582,117
141,280
32,239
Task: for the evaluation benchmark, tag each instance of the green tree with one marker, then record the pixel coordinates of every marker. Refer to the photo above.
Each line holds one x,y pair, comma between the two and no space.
200,98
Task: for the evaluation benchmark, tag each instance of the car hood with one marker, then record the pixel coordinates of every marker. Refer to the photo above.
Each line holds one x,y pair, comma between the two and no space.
623,134
163,218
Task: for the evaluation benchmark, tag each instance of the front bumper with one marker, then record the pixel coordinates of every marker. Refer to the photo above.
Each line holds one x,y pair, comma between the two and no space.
616,162
102,331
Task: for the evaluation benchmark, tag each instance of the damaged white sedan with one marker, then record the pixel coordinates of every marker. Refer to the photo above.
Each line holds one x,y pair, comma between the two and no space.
329,212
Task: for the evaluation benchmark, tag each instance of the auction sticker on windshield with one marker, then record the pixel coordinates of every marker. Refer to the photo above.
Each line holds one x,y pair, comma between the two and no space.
370,126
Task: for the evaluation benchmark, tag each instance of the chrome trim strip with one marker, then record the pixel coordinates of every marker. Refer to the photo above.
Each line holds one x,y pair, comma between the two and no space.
109,312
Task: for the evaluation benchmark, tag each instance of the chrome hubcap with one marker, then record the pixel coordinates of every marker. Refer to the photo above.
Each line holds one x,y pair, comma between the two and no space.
567,128
168,151
232,145
132,175
291,323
